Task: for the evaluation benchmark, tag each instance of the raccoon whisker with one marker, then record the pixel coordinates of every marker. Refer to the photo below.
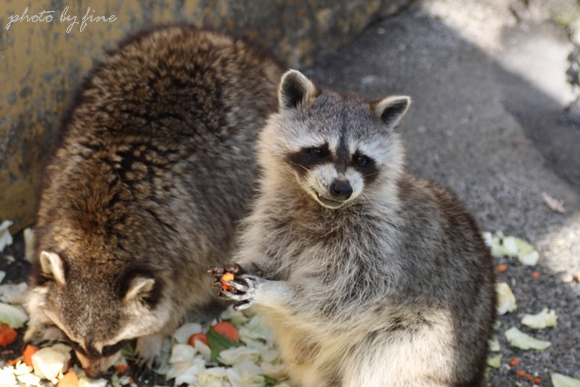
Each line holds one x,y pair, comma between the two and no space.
298,165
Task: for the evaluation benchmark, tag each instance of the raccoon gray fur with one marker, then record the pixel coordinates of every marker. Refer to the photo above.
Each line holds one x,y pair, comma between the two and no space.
155,166
367,275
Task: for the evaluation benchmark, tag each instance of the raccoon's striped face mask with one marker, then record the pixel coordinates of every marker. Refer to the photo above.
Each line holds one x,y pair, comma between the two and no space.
338,146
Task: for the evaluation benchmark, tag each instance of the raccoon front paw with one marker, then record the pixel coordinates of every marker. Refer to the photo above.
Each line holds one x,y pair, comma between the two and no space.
38,334
148,351
242,289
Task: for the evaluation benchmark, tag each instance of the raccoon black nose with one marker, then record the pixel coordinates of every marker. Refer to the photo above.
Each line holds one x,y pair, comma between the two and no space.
340,190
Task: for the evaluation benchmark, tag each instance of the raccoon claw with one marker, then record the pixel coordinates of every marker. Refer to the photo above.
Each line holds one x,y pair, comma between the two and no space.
239,284
234,268
245,288
217,271
241,305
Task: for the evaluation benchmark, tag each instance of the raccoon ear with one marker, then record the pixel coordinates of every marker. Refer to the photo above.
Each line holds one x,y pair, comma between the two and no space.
295,89
390,110
52,265
140,287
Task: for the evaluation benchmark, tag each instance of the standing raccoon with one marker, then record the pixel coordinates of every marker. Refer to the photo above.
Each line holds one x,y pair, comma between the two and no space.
367,275
154,169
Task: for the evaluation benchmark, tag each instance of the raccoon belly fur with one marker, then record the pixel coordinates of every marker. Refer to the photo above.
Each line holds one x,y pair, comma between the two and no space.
366,274
154,168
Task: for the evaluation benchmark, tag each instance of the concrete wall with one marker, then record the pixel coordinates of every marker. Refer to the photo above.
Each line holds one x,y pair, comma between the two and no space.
43,55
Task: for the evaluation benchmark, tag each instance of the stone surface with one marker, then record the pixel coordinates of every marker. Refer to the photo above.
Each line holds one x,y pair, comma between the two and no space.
43,55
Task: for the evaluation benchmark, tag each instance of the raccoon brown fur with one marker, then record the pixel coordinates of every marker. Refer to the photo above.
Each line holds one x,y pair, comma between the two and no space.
367,275
154,168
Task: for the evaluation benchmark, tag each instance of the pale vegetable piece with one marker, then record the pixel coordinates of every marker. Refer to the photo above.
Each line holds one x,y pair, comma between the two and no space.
236,317
246,374
7,378
506,301
521,340
12,315
546,318
2,275
21,369
84,381
276,371
181,353
186,372
494,361
185,331
559,380
203,350
235,355
5,237
510,246
28,244
48,362
214,377
554,204
494,344
118,380
29,379
14,293
255,329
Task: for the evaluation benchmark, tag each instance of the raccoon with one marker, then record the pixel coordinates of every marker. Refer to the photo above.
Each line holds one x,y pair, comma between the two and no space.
366,274
154,168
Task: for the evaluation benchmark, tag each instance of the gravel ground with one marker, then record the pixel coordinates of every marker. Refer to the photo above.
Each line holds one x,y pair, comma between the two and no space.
488,88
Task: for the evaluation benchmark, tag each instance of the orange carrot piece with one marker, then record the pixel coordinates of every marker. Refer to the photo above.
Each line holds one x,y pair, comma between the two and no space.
70,379
537,380
521,373
529,377
226,278
514,362
535,275
7,335
27,354
227,329
197,336
502,267
121,368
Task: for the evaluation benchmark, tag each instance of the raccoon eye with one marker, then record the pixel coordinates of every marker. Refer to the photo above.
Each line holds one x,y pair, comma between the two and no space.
360,160
317,152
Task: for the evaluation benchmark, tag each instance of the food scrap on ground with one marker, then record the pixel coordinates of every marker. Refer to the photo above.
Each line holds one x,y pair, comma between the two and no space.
5,237
510,246
545,319
554,204
559,380
519,339
506,301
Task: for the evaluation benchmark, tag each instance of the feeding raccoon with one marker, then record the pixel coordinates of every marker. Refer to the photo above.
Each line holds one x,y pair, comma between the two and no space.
366,274
154,168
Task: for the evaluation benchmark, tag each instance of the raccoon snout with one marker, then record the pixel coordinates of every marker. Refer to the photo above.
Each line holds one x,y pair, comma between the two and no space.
340,189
